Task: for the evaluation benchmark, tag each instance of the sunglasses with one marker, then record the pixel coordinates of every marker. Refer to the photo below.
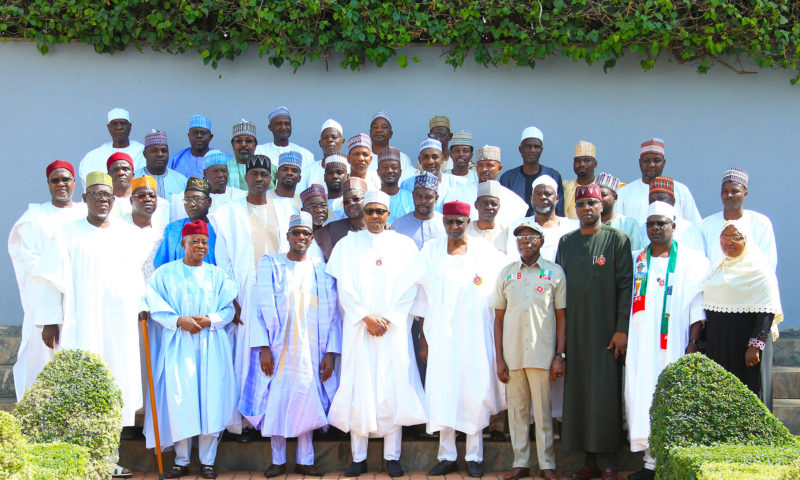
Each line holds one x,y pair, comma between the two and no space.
588,203
376,211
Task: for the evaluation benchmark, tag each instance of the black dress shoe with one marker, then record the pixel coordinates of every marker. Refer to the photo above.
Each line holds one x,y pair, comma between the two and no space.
394,468
308,470
356,468
474,469
275,470
177,471
208,471
643,474
444,467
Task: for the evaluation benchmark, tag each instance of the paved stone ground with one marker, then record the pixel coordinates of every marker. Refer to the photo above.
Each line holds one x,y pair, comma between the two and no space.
337,475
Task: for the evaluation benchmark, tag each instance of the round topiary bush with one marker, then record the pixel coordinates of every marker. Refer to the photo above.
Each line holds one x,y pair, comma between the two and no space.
13,446
697,402
75,400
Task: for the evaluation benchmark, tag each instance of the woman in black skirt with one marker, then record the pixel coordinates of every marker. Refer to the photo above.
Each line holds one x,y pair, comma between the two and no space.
741,301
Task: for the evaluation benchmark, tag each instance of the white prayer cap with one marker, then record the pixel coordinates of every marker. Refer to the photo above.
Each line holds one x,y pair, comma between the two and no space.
544,180
377,196
532,132
117,112
489,188
331,123
661,209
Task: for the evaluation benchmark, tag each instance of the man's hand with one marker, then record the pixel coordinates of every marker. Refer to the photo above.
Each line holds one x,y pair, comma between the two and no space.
51,335
557,368
189,324
691,348
326,367
203,321
502,370
267,362
752,356
376,326
619,343
237,313
423,349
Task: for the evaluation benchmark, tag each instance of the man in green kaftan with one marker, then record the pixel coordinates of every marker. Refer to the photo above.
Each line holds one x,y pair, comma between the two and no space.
598,264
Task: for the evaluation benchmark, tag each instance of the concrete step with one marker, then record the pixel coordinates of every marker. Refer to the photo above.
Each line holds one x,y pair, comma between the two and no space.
785,382
6,381
334,455
788,411
8,403
786,351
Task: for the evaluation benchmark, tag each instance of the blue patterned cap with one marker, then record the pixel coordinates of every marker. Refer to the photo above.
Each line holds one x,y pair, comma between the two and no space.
301,219
290,158
430,143
155,137
279,112
426,180
199,121
215,157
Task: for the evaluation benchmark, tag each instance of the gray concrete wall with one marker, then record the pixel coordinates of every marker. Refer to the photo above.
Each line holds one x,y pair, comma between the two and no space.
54,106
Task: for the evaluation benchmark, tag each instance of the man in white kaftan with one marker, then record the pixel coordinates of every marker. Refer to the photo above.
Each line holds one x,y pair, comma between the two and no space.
246,230
294,339
119,128
92,274
458,274
667,275
379,389
190,303
28,239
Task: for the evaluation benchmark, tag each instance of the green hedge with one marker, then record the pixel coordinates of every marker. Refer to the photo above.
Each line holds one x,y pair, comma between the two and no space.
726,462
360,31
75,400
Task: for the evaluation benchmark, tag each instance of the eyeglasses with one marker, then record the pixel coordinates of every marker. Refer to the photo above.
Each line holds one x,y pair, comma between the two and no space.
455,221
528,238
588,203
194,200
437,135
64,180
145,196
658,223
301,233
100,195
317,208
376,211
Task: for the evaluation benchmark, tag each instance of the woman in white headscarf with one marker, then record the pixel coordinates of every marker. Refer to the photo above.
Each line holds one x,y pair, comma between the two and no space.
741,301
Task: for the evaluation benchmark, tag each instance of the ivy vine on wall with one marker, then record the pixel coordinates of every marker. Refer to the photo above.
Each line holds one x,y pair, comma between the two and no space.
493,32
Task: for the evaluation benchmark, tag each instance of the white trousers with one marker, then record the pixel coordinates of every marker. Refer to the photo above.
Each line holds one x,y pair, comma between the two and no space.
391,445
305,449
206,444
447,446
649,461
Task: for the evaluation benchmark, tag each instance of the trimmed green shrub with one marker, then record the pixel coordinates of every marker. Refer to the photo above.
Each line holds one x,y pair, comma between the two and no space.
75,400
701,462
13,445
794,471
697,402
737,471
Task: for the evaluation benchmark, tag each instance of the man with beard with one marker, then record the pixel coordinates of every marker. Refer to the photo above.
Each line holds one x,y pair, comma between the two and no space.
92,295
190,162
359,157
662,189
286,202
156,155
280,124
296,338
353,203
27,241
120,168
431,160
119,128
584,162
196,203
243,143
378,392
316,204
461,155
331,139
486,227
336,168
389,171
597,262
521,178
609,185
544,201
457,275
488,167
380,132
633,197
424,223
